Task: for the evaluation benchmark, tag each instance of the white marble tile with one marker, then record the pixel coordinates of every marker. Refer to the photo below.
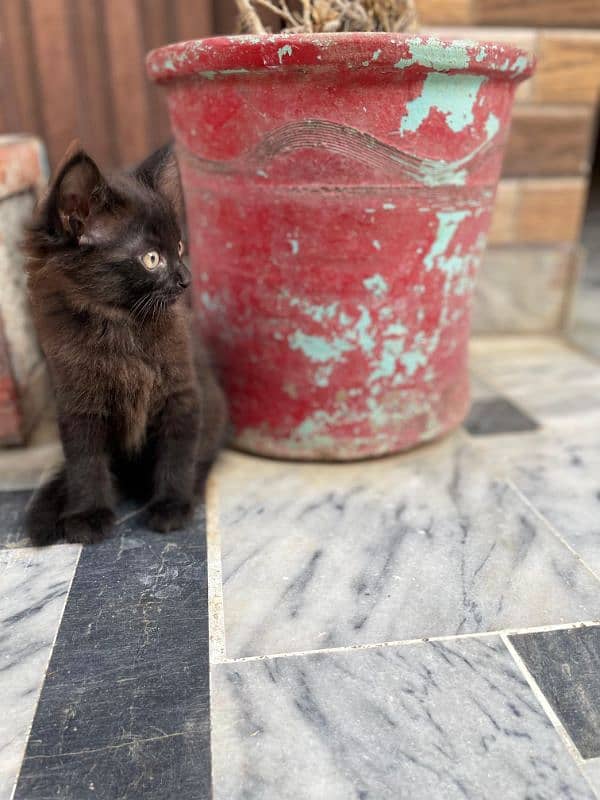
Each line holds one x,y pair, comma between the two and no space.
480,390
427,721
33,589
26,467
432,543
560,476
591,770
553,382
522,289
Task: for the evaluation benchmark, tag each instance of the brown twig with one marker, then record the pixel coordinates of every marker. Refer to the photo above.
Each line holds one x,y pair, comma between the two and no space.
311,16
250,22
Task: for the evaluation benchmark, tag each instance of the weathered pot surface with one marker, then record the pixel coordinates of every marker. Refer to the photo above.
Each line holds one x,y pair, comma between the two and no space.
339,189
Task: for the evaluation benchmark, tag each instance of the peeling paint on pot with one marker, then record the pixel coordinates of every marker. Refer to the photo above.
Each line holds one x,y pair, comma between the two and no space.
335,246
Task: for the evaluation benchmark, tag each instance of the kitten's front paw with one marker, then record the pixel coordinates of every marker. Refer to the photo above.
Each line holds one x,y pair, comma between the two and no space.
89,527
169,515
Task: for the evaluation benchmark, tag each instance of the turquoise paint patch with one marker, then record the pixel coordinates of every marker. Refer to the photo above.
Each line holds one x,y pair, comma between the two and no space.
389,206
396,330
365,340
454,96
481,54
376,55
376,284
448,223
295,245
492,126
345,319
520,65
286,50
392,351
376,244
316,312
317,348
412,360
377,413
212,74
323,374
385,313
435,54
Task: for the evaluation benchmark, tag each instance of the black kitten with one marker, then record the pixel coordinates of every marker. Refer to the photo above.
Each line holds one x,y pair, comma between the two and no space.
138,406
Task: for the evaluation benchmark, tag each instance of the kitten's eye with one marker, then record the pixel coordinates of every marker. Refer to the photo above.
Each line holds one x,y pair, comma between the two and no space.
180,249
151,260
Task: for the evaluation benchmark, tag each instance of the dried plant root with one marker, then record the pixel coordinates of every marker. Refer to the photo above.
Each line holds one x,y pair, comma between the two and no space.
330,16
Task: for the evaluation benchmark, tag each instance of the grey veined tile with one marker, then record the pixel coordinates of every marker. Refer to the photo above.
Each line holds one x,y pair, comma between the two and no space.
592,771
33,590
560,476
439,720
566,667
428,544
545,377
498,415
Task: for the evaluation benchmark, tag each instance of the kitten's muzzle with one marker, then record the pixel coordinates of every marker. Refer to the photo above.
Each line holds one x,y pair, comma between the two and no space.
182,277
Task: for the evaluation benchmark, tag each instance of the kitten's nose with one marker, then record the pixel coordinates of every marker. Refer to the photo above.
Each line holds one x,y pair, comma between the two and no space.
183,277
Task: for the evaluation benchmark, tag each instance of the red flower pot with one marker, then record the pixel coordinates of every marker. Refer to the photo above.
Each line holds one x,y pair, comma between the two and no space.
339,189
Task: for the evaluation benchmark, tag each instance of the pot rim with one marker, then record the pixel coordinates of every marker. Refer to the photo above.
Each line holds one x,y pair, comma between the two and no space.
359,52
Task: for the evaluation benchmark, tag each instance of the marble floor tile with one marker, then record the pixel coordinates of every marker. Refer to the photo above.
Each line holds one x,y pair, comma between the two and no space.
566,666
33,589
591,769
544,376
521,289
124,711
480,390
430,544
25,467
560,476
12,519
421,722
497,416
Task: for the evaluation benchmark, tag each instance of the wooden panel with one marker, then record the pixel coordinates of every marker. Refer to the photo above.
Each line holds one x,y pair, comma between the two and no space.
504,225
75,68
539,211
523,288
550,140
158,28
19,81
193,20
95,117
552,210
55,73
560,13
128,86
444,12
569,67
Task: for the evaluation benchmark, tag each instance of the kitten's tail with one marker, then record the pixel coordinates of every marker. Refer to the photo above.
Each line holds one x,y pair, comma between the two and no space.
43,515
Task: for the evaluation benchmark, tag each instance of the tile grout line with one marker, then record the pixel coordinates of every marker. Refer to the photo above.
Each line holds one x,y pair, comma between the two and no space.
408,642
50,654
216,613
543,701
551,527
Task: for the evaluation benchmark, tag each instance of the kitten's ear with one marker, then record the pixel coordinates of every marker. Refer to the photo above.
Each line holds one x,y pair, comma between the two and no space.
161,173
78,192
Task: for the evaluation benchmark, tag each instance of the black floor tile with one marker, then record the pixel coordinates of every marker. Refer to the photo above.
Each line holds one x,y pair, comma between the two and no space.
124,711
566,667
12,519
497,415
